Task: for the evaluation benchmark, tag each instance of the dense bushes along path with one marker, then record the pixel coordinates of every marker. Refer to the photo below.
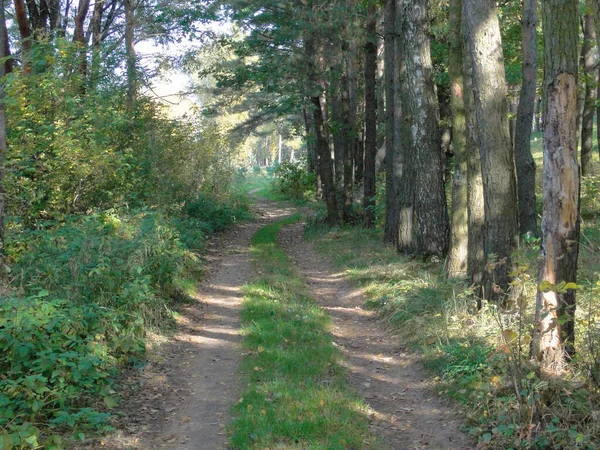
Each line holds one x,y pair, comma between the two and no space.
189,390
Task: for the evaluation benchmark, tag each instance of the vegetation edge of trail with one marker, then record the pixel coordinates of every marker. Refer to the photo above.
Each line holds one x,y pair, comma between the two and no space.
296,392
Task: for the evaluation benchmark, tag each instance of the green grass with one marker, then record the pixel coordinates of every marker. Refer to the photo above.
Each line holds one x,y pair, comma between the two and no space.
296,396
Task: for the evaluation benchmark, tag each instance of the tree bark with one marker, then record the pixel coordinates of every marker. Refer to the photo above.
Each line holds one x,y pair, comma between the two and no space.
524,162
554,335
424,186
316,65
24,33
348,119
589,104
3,141
392,213
131,56
79,36
459,229
497,161
370,116
475,202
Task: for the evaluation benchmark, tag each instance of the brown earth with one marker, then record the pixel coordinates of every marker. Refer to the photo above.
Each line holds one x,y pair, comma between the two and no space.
182,399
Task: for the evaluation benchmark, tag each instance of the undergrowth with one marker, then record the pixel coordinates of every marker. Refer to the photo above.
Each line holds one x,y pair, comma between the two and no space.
296,397
84,293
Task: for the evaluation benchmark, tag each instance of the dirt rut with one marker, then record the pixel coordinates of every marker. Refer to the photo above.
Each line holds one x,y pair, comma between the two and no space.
405,413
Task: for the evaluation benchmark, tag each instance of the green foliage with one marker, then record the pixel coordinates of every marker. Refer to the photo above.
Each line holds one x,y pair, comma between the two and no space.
56,360
293,181
129,263
217,215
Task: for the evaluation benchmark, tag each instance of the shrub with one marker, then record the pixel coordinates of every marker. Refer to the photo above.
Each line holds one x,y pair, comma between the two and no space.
217,216
56,359
293,181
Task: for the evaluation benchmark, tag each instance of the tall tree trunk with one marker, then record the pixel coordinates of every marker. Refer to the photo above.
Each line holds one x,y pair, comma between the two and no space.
24,33
352,67
370,116
497,161
337,127
555,332
311,149
524,162
316,65
392,213
589,104
459,230
475,202
131,56
3,143
80,38
347,120
420,133
380,84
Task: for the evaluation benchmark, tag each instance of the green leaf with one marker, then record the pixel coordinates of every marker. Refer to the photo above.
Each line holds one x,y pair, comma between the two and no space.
510,336
546,286
110,402
570,286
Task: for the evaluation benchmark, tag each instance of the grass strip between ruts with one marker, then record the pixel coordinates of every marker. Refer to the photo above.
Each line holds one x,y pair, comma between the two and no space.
296,396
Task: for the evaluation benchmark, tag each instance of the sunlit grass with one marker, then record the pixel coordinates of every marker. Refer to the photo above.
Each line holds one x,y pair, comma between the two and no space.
296,397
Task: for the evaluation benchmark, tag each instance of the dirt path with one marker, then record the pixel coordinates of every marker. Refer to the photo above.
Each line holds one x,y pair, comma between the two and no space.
182,399
405,413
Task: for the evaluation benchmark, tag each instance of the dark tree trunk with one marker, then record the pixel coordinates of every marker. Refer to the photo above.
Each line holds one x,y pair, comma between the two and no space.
337,127
3,143
555,332
424,186
524,162
459,230
316,70
79,36
497,161
370,116
325,164
24,33
131,56
392,213
348,119
589,104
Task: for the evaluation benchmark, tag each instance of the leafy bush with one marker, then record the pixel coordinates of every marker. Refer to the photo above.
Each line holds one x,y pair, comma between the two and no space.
217,215
129,263
293,180
56,359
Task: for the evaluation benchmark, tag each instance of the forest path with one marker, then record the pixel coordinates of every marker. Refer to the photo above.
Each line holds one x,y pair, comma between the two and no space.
182,400
405,412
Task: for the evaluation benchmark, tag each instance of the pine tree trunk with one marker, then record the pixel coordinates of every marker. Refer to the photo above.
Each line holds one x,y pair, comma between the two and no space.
348,119
459,230
589,104
370,116
316,70
3,142
524,162
392,212
420,135
554,332
497,161
131,56
24,33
